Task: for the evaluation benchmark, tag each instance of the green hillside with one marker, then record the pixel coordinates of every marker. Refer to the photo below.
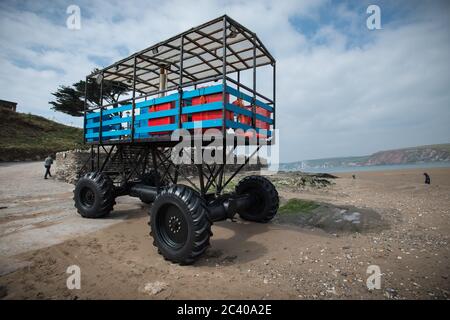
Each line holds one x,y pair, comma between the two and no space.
29,137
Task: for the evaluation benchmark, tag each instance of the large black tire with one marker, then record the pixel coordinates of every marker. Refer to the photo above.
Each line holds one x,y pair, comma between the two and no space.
94,195
151,178
266,201
179,224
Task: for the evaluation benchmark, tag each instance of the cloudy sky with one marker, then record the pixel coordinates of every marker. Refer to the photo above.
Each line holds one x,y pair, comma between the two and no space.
342,89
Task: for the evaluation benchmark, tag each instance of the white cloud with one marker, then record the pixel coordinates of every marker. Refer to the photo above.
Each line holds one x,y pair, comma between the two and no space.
341,91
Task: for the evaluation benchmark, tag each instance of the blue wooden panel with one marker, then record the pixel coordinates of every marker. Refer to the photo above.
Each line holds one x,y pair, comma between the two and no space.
262,118
202,124
239,94
238,125
96,114
155,101
202,91
169,98
116,120
177,106
165,127
94,123
112,124
217,105
118,109
93,115
113,133
91,125
239,110
248,98
116,133
146,103
92,135
107,123
142,123
157,114
263,105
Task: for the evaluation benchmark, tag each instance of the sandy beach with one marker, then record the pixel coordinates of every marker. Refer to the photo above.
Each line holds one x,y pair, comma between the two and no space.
246,260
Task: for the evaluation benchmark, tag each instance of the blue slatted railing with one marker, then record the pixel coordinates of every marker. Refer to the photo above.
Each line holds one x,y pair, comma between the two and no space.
114,126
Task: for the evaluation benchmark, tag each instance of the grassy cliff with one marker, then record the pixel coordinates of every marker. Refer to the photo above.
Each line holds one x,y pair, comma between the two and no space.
419,154
29,137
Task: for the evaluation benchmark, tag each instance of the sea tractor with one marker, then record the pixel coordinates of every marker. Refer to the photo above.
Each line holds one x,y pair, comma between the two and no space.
190,81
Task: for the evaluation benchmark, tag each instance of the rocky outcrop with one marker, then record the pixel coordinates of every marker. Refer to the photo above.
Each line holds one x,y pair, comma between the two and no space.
300,180
69,163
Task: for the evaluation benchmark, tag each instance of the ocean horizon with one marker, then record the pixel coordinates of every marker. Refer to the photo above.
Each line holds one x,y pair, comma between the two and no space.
424,165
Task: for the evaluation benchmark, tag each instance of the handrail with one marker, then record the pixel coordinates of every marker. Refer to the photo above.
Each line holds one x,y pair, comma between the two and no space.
132,104
153,93
248,89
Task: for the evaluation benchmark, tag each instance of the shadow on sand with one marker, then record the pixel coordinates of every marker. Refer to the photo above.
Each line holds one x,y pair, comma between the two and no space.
236,249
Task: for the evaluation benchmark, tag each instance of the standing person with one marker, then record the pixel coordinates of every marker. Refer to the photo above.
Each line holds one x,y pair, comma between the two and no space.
427,178
47,164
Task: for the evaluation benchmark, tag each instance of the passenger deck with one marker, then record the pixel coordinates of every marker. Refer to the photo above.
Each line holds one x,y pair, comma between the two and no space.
192,80
157,117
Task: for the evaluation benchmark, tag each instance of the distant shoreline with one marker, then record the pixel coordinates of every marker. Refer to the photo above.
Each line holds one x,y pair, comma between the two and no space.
390,167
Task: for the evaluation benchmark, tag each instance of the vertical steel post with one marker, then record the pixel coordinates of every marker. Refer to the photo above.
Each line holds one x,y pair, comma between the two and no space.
100,130
254,84
98,156
133,105
274,92
92,157
201,176
224,97
180,84
155,166
239,80
85,107
224,73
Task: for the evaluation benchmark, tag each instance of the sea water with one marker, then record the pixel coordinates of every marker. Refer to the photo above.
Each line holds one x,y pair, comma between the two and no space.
385,167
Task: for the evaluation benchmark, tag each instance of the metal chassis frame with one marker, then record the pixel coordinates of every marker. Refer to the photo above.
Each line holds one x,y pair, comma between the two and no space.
128,169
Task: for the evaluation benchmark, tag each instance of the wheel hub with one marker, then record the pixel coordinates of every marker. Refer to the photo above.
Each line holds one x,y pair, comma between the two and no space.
87,197
174,224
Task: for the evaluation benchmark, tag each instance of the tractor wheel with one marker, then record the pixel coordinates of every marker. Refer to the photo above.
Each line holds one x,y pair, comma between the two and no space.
266,201
179,224
94,195
150,179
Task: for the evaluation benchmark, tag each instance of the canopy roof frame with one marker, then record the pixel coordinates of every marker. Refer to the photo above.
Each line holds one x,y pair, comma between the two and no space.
201,56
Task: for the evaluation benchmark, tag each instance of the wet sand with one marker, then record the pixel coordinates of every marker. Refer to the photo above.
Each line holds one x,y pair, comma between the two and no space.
439,176
264,261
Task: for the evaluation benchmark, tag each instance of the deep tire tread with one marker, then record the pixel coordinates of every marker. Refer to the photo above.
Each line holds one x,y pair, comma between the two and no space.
200,223
271,195
106,190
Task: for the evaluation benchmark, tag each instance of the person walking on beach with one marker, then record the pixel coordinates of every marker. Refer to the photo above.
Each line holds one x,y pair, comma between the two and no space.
47,164
427,178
